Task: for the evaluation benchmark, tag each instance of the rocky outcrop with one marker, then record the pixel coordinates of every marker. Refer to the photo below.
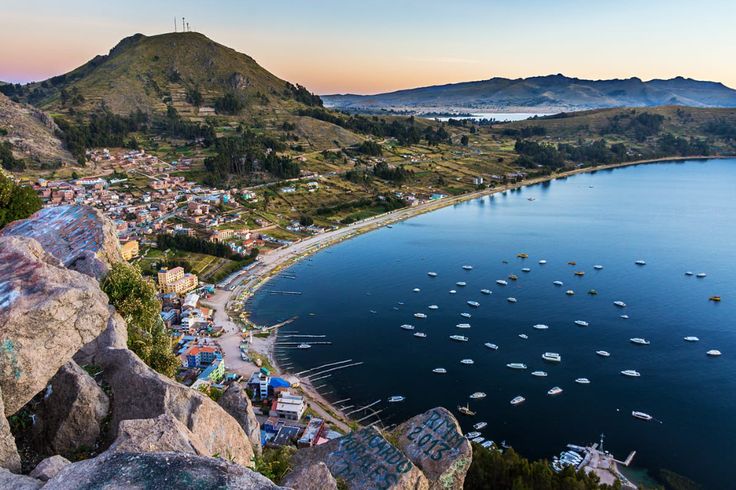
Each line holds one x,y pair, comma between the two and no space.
162,434
9,457
49,467
142,471
141,393
434,442
115,336
236,402
364,459
18,482
311,477
72,413
47,313
81,237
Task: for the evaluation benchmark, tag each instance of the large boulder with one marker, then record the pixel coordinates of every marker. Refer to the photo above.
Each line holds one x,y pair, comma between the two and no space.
236,402
47,313
434,442
141,393
18,482
81,237
364,459
115,336
72,413
9,457
311,477
162,434
144,471
49,467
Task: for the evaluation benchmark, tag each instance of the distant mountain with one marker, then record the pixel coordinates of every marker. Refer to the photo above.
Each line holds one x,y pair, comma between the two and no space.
553,93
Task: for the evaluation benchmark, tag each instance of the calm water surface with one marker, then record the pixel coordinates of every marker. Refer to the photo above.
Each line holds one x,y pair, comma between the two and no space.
677,216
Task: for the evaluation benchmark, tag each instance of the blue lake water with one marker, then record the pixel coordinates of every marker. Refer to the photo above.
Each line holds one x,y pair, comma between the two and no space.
677,216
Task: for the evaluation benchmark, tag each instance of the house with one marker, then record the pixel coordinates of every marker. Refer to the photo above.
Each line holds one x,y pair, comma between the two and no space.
214,372
288,406
198,356
130,249
285,436
314,431
258,384
176,281
478,180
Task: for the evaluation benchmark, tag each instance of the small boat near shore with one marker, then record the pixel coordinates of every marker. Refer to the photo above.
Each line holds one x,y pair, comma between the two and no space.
691,338
579,273
439,371
433,307
462,284
624,317
420,315
581,323
474,304
517,400
640,262
688,273
522,255
501,282
713,353
486,291
478,440
416,290
480,425
468,267
513,277
406,326
715,299
523,336
396,399
463,325
511,299
539,374
452,291
432,274
598,267
558,283
641,415
555,390
542,262
639,341
620,304
478,395
603,353
304,345
570,292
516,365
459,338
468,362
631,373
491,346
487,444
540,326
526,269
465,315
701,275
582,381
465,410
552,357
471,435
420,335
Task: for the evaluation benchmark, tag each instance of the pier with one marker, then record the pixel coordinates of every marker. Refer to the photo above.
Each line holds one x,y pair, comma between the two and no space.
363,408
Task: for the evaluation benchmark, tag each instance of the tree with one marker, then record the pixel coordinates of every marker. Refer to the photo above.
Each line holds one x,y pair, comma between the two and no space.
16,201
464,140
194,97
135,300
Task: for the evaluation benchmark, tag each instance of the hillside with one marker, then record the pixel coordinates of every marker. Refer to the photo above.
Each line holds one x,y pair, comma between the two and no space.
553,93
31,134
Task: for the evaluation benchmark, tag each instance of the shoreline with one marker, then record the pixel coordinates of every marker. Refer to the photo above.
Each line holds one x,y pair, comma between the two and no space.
245,289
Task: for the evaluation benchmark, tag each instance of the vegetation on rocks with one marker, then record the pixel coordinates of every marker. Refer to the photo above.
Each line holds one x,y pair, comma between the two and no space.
274,463
16,201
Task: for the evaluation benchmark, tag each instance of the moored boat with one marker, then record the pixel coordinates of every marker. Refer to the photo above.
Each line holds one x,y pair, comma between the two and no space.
416,290
511,299
581,323
462,284
433,307
597,267
452,291
713,353
501,282
420,315
432,274
582,381
465,410
557,283
620,304
439,371
468,267
579,273
472,435
396,399
474,304
715,299
701,274
467,361
641,415
463,325
478,395
491,346
523,336
485,291
406,326
465,315
631,373
555,390
516,365
639,341
459,338
552,357
526,269
640,262
603,353
540,326
542,262
480,425
513,277
421,335
517,399
522,255
691,338
304,345
539,374
570,292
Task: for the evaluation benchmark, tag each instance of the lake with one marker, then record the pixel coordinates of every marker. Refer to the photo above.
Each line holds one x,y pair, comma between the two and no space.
677,217
497,116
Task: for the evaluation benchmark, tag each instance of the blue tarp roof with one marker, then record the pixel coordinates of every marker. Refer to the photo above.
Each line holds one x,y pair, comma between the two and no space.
279,383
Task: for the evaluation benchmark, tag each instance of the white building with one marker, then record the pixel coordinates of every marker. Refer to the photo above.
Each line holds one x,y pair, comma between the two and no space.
288,406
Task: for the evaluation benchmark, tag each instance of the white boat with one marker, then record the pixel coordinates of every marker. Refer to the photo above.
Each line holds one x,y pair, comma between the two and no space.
486,291
459,338
582,323
468,267
542,262
304,346
555,390
691,338
625,317
511,300
523,336
467,361
603,353
478,395
478,440
558,283
432,274
420,315
642,415
640,262
406,326
570,292
552,357
452,291
501,282
487,444
631,372
526,269
472,435
416,290
433,307
597,267
700,274
539,374
639,341
396,398
582,381
491,346
480,425
714,353
620,304
540,326
474,304
462,284
421,335
465,315
517,399
688,273
463,325
439,370
516,365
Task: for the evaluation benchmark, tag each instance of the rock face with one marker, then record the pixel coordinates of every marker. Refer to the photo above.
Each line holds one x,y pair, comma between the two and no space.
18,482
9,457
144,471
364,459
74,408
47,313
311,477
49,467
81,237
115,336
235,401
434,442
141,393
162,434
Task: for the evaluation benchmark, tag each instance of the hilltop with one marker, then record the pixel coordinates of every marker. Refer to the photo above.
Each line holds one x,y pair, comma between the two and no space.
552,93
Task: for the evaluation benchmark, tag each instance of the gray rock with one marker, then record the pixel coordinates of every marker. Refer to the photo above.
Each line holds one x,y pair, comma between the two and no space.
72,413
18,482
114,336
141,393
148,471
364,459
81,237
47,313
235,401
311,477
162,434
9,457
49,467
435,443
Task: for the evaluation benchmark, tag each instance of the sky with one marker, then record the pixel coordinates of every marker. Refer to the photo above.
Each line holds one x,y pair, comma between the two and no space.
372,46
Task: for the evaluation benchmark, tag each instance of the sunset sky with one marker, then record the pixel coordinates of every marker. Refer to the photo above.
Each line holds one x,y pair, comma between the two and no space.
374,46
